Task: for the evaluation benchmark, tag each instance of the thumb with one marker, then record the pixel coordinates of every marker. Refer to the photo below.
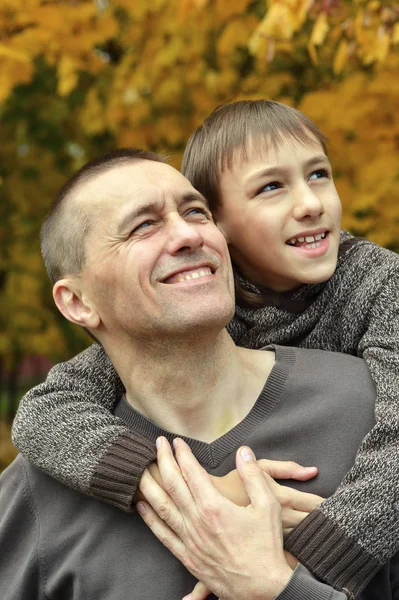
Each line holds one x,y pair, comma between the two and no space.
200,592
254,480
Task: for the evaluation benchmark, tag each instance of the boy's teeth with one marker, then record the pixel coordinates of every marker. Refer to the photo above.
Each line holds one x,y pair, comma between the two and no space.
313,241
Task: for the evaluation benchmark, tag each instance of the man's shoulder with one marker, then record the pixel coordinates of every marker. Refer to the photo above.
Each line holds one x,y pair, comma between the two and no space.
326,365
21,476
316,356
15,472
28,484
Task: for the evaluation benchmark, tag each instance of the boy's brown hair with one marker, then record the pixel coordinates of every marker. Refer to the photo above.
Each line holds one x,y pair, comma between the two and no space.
227,130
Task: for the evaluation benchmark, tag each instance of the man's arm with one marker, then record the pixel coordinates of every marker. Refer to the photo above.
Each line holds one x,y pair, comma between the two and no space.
66,428
236,551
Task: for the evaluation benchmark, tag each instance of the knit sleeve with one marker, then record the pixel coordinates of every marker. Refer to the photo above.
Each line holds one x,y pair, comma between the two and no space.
66,428
356,530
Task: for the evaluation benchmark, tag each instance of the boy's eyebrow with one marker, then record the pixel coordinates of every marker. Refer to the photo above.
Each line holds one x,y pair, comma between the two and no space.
154,206
279,170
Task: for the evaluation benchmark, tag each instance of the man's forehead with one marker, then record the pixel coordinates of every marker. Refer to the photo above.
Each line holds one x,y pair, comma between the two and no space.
136,180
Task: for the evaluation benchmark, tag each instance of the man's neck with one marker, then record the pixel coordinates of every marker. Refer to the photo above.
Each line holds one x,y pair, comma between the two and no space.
197,388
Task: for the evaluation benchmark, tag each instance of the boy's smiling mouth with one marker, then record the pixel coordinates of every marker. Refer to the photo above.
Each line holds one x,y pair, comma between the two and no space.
308,241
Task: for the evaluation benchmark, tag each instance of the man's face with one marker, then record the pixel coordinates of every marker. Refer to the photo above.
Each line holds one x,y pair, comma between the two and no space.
281,214
156,262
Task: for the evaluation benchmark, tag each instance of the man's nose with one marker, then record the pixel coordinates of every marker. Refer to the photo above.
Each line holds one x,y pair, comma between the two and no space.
183,237
307,204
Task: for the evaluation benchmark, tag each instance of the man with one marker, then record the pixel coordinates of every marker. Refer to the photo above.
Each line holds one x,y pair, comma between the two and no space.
137,260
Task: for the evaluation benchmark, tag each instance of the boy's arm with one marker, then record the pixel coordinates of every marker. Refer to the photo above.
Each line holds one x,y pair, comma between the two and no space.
64,426
355,531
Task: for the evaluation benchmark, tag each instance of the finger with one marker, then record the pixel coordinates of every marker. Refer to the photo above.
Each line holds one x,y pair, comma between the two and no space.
255,482
172,476
287,469
160,529
292,518
161,503
198,480
295,499
200,592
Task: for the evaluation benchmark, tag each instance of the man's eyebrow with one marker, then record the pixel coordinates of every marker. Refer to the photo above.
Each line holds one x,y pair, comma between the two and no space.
280,170
135,213
155,206
193,197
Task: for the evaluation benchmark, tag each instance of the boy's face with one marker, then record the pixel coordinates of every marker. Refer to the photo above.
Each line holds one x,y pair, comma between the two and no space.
281,214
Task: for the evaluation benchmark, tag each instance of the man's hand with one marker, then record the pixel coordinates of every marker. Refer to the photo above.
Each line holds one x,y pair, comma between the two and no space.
295,505
237,552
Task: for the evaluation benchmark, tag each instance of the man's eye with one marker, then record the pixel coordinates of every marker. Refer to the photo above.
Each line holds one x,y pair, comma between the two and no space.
143,225
270,187
319,174
197,210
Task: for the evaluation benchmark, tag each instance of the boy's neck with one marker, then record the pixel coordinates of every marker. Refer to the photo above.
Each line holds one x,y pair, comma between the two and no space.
200,389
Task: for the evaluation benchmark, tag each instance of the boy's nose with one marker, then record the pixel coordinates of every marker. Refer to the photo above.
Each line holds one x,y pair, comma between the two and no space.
183,237
307,205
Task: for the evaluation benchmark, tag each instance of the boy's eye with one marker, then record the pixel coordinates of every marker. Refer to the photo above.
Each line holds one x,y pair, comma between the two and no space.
319,174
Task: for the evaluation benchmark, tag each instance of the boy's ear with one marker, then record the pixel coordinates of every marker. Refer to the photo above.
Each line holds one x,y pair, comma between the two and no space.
73,304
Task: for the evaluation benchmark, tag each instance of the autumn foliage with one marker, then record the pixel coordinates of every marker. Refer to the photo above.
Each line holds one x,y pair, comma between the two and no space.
81,77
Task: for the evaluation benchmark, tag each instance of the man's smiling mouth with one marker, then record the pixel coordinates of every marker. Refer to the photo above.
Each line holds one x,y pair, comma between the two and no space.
189,275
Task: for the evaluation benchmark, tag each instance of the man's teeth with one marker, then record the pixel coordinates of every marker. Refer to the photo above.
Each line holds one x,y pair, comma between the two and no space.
194,274
312,241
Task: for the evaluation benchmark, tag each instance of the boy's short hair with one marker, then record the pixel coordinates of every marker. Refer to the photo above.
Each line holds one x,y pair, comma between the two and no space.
227,130
64,232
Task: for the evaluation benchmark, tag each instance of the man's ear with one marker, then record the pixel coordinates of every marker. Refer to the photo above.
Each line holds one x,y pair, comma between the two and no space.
74,305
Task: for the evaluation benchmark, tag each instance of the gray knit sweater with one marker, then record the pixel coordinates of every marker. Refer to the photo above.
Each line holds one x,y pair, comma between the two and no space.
65,427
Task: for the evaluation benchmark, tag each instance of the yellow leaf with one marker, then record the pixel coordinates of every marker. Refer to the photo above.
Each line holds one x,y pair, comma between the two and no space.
67,75
320,30
235,35
341,57
14,54
278,23
226,10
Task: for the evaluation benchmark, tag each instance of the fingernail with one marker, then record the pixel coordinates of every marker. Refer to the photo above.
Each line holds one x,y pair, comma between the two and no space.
188,597
309,468
141,508
158,443
247,454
